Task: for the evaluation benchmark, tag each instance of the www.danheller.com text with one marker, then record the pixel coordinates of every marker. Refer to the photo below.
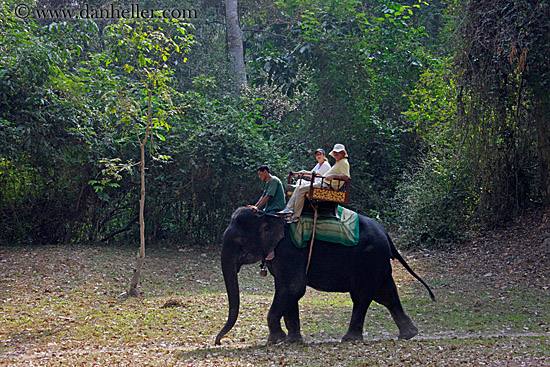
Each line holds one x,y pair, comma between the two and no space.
132,11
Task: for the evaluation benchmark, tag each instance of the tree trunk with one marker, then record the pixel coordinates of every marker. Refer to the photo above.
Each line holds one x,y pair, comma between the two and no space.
542,117
235,39
140,258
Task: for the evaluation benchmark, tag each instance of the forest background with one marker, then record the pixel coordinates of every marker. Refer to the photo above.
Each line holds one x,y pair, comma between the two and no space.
443,107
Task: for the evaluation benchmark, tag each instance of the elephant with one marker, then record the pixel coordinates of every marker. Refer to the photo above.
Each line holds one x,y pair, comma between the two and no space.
363,270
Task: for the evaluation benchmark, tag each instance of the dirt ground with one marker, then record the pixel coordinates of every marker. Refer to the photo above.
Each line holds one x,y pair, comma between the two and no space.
66,306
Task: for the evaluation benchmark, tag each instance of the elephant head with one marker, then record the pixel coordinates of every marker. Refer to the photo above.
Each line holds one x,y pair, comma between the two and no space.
248,239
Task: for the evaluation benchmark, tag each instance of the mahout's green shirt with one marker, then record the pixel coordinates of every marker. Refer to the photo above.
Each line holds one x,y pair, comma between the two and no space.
276,202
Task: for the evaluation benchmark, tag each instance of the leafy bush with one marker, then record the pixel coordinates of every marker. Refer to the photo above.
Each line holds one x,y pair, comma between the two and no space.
432,204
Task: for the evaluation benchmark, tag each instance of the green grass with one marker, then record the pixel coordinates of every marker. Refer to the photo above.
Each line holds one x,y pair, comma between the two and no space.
66,306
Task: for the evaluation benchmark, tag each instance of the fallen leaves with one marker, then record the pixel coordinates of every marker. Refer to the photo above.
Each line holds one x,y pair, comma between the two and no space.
491,311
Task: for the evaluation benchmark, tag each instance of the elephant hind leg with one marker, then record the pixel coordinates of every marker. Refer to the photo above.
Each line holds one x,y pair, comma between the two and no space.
387,296
407,330
360,307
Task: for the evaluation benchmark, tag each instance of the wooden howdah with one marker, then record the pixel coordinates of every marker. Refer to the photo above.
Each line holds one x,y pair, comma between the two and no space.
324,197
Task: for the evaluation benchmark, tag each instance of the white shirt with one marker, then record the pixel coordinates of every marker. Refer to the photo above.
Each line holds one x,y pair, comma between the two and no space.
320,169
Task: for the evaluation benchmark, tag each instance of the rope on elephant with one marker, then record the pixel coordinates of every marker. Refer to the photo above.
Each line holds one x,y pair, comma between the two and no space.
312,236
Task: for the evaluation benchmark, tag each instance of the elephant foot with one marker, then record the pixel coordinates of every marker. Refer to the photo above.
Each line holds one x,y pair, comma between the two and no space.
276,338
294,338
352,336
409,333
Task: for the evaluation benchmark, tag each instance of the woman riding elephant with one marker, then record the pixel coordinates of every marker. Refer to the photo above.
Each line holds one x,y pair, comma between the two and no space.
363,270
320,168
340,170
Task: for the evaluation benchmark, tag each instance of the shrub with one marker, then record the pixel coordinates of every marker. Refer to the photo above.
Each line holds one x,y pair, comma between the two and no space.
432,204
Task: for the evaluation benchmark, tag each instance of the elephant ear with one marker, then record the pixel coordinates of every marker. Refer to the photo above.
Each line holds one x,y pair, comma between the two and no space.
272,231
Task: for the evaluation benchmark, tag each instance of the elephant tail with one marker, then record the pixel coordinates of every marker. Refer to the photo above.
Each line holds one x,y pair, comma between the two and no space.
397,255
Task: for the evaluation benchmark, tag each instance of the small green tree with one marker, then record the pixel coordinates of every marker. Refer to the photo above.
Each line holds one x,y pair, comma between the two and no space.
147,52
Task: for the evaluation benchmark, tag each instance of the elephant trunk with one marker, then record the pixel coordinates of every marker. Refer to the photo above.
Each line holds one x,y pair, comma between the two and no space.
230,269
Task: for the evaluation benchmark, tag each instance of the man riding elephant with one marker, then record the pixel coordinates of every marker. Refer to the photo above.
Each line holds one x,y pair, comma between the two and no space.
273,197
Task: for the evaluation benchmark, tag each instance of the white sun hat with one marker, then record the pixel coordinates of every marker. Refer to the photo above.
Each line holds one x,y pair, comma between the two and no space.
338,148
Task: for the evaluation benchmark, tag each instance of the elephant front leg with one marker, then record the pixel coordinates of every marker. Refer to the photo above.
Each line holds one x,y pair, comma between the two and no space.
276,333
285,303
292,322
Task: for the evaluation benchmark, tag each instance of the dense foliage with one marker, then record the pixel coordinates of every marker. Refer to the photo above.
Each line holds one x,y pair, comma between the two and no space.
442,107
503,77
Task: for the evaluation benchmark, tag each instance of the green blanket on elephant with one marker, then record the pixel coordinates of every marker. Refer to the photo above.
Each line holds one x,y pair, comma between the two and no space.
344,230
